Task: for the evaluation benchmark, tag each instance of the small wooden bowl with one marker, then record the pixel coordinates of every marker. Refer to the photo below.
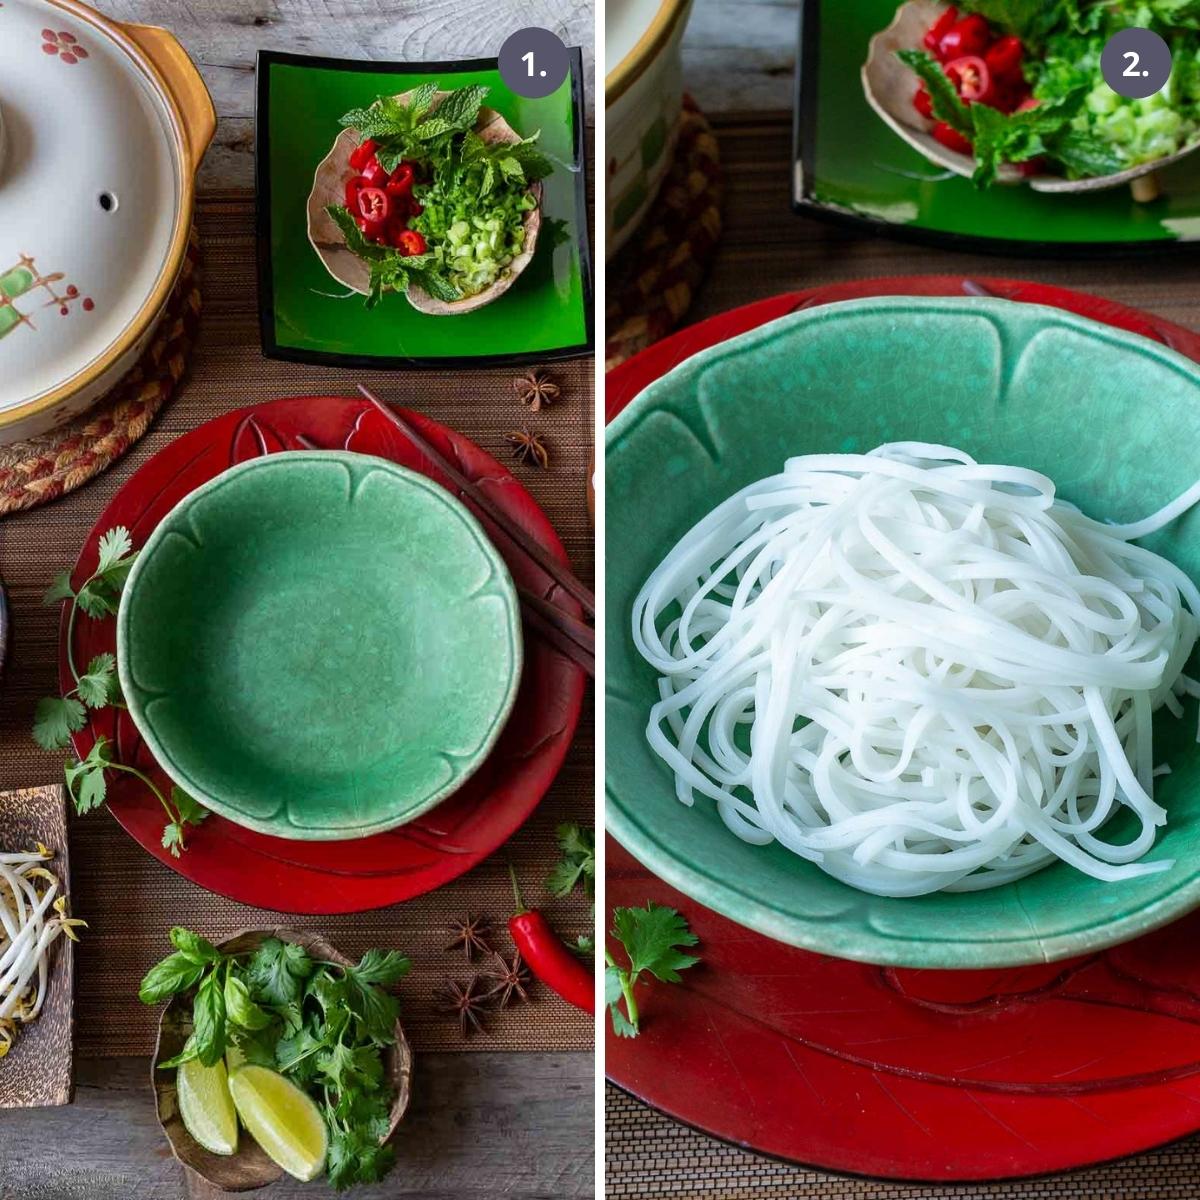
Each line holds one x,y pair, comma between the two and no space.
329,186
250,1168
889,86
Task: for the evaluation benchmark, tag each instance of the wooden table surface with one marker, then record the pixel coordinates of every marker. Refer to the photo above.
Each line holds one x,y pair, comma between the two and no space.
223,37
482,1124
766,249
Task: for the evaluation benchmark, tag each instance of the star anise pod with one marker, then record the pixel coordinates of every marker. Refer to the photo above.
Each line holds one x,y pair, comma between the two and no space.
467,1002
471,934
511,979
528,447
536,390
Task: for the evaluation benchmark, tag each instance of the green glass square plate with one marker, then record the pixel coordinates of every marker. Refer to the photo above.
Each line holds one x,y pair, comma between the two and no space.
306,316
848,166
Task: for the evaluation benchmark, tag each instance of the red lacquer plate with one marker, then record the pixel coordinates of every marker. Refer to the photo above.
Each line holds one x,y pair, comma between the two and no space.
347,876
916,1075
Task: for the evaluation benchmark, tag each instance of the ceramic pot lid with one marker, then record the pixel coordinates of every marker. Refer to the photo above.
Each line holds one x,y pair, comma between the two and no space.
90,195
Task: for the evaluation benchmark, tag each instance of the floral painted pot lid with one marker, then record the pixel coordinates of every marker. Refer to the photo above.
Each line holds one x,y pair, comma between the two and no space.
101,127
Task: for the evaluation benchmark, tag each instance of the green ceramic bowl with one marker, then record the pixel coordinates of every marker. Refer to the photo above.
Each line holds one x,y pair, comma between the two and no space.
1114,419
319,645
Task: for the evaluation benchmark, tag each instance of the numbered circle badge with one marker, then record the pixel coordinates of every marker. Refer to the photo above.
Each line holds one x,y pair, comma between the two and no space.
534,62
1136,63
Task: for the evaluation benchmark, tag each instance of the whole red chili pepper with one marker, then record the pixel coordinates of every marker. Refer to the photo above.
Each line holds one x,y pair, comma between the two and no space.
547,957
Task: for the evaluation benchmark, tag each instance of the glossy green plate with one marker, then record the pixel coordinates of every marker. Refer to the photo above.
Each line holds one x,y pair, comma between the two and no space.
305,315
319,645
1113,418
849,166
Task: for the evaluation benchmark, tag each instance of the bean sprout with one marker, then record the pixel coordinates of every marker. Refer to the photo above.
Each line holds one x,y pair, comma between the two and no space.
29,890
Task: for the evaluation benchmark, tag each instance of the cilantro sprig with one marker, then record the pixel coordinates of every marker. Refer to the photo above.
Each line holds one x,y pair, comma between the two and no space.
97,687
653,938
324,1026
576,869
577,866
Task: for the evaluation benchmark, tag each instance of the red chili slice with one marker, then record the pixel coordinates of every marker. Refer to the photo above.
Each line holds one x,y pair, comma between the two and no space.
922,102
363,153
939,29
971,35
354,185
374,204
951,138
401,181
375,175
970,75
411,242
1004,58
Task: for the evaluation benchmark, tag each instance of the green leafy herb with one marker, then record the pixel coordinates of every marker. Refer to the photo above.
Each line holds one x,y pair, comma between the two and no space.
577,867
97,687
474,193
1080,128
947,106
652,938
324,1026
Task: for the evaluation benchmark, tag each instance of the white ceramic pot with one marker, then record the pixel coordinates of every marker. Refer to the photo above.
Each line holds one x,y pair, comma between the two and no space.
103,127
643,94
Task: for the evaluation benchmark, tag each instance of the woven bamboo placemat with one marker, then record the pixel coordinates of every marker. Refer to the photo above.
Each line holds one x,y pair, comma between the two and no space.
654,278
131,900
766,249
41,469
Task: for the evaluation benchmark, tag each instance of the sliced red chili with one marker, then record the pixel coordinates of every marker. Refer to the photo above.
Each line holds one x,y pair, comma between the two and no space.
951,138
354,185
939,29
971,35
970,75
411,242
1004,57
362,154
374,204
402,179
923,102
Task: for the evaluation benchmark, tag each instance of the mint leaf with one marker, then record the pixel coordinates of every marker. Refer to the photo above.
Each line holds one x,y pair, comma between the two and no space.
947,105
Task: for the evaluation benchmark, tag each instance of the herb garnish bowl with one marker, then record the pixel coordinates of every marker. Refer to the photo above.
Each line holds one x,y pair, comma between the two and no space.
1110,416
250,1168
319,645
329,186
889,85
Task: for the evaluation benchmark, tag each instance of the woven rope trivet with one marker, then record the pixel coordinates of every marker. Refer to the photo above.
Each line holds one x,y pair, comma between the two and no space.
43,468
656,275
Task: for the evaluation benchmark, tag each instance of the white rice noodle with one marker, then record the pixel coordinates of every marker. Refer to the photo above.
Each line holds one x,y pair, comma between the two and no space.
919,672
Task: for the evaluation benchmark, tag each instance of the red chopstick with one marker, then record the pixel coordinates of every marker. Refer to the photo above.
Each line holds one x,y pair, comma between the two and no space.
561,574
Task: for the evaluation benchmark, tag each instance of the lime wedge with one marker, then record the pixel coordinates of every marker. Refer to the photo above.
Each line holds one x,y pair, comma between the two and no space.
281,1119
206,1106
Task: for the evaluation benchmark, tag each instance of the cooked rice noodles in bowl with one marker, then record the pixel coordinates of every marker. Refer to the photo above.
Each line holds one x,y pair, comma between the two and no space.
919,672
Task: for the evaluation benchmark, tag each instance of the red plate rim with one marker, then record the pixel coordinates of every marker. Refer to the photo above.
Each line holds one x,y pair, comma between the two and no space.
287,876
648,1080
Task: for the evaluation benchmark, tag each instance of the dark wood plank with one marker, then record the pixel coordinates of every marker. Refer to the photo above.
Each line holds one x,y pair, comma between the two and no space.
481,1126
